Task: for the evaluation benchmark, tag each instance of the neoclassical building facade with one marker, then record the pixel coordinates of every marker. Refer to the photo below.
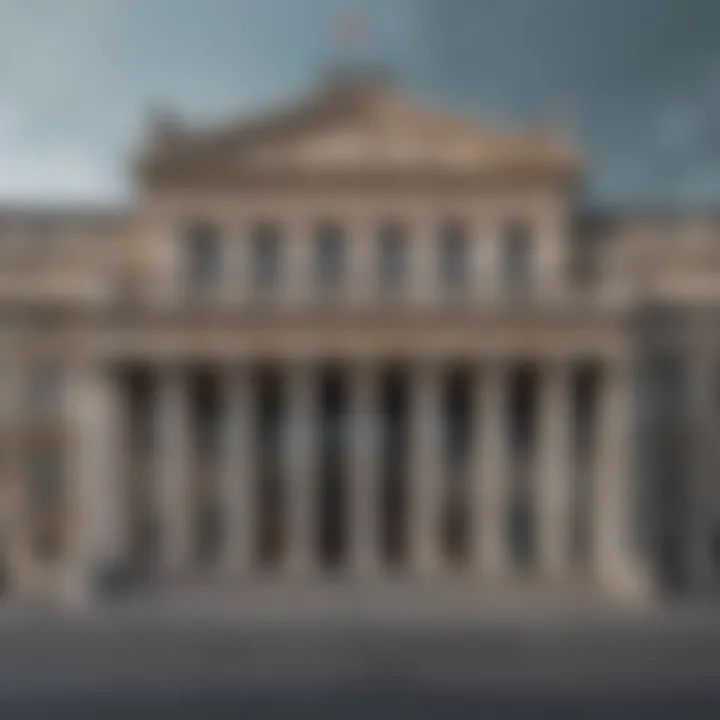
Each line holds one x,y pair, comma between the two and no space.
358,339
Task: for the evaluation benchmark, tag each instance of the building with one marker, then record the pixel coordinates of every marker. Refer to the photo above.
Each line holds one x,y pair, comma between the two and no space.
358,337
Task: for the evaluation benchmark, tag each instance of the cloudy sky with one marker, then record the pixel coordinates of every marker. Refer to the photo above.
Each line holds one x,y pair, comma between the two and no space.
637,81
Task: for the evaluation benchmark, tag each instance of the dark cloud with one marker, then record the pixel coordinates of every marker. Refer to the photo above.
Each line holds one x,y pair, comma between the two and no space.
637,79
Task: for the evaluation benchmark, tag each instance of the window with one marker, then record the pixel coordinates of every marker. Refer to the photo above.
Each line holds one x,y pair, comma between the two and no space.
46,496
454,264
392,256
205,256
517,251
43,231
267,256
330,258
47,390
46,479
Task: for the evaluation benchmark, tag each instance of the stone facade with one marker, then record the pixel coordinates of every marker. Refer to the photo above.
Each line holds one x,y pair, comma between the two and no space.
358,337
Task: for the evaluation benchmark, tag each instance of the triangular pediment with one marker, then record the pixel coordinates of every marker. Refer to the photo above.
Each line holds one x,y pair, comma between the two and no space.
358,129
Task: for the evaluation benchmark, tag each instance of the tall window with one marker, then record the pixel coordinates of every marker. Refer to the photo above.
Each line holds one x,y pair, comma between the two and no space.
47,390
517,254
204,256
46,498
46,478
454,255
330,256
267,256
392,256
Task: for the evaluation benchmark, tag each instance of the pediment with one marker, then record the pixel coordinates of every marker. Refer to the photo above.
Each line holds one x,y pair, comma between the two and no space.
358,130
364,147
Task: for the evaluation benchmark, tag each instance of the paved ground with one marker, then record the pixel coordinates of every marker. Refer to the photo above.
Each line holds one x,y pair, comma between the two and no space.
135,662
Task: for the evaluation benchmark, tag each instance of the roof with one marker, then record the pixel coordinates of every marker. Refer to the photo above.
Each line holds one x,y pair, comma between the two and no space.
354,128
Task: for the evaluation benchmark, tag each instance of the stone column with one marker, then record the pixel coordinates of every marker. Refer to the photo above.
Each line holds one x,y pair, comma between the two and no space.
232,290
553,476
425,479
169,249
173,474
238,473
363,261
494,278
297,273
479,290
364,470
100,512
423,262
616,557
300,471
490,470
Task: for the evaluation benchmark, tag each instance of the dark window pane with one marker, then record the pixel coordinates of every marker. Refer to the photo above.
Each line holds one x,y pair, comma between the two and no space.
205,255
330,258
392,256
46,479
517,247
47,390
267,256
453,255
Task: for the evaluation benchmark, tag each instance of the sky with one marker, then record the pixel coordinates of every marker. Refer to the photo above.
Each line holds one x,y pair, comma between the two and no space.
636,82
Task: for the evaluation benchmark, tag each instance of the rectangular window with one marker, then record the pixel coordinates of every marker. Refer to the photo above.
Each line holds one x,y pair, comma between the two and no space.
330,256
267,256
47,390
46,502
392,256
517,254
204,256
46,482
454,260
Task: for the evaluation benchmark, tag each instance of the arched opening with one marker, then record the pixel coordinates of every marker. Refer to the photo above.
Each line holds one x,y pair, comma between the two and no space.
394,467
456,444
521,523
332,486
271,494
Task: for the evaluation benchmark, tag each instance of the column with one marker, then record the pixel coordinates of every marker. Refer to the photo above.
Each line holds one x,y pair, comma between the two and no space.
490,470
173,473
553,475
424,495
233,289
362,266
364,470
551,254
298,264
98,502
615,492
300,458
494,278
166,248
480,260
238,473
423,265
